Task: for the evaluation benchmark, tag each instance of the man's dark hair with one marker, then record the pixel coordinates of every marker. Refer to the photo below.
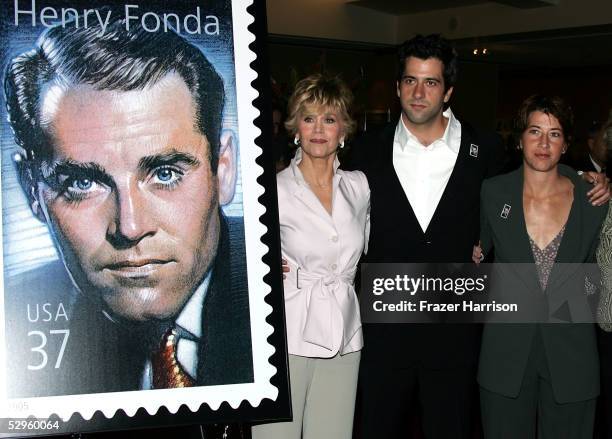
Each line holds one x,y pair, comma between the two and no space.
118,59
551,105
430,46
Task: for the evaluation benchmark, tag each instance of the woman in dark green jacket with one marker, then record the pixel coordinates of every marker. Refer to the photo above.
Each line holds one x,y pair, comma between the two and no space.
538,371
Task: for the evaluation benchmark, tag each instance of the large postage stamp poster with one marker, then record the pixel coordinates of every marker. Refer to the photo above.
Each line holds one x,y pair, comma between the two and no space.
132,250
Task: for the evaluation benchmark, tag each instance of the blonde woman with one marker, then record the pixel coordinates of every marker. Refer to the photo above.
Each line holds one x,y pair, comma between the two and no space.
323,214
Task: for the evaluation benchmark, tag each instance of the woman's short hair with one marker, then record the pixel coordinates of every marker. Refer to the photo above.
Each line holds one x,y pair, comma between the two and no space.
551,105
320,91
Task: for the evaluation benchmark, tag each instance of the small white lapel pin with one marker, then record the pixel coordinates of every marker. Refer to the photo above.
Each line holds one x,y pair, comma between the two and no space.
505,211
473,150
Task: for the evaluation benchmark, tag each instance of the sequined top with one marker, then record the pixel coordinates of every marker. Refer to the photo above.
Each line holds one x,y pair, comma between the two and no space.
604,259
545,258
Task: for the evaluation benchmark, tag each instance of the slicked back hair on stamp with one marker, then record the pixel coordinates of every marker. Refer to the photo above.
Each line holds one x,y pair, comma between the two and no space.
115,59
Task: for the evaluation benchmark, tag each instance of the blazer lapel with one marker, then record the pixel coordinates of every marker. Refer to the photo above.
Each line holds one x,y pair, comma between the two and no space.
570,244
455,179
388,175
517,230
310,200
302,192
225,351
517,221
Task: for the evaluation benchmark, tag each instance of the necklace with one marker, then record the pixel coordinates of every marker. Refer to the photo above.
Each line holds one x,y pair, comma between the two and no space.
313,183
322,186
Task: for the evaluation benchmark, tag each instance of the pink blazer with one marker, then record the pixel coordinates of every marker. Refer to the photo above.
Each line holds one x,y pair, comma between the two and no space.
321,307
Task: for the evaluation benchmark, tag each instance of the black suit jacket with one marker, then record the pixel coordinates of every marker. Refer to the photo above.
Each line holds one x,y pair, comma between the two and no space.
570,348
582,161
105,356
396,236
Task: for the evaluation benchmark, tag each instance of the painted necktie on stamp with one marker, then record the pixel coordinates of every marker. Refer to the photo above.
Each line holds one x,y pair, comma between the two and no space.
167,371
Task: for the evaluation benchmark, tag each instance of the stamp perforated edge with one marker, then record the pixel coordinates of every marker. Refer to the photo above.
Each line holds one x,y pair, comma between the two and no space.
234,394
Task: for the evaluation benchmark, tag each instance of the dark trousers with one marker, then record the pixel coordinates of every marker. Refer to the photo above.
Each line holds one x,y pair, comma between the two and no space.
604,409
535,408
391,394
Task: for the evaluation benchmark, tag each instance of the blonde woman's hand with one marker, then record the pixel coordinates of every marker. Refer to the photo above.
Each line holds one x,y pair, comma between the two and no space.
284,267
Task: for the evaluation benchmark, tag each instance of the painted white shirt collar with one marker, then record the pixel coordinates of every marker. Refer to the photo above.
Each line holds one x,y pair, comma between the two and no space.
190,319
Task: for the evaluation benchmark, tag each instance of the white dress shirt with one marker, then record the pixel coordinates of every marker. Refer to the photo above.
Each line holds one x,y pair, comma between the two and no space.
321,307
595,164
424,171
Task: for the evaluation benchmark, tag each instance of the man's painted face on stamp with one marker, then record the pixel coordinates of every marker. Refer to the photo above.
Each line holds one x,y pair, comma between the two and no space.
130,195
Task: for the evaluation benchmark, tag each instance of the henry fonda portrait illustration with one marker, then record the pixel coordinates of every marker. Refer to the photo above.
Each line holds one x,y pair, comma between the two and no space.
121,151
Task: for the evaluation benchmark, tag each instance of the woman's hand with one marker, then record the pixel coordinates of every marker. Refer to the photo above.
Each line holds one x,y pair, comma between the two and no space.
600,194
477,255
285,267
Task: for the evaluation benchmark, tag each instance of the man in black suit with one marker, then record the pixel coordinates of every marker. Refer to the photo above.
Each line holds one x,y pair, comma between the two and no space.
424,173
122,155
593,156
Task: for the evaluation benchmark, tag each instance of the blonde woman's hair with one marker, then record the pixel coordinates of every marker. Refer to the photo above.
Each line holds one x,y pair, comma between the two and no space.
320,91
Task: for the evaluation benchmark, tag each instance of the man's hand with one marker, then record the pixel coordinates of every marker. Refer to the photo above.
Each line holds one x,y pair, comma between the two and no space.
600,194
477,255
285,267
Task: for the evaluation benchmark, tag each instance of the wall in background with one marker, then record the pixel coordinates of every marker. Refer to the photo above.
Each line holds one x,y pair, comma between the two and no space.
335,19
496,19
331,19
371,73
588,90
475,96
